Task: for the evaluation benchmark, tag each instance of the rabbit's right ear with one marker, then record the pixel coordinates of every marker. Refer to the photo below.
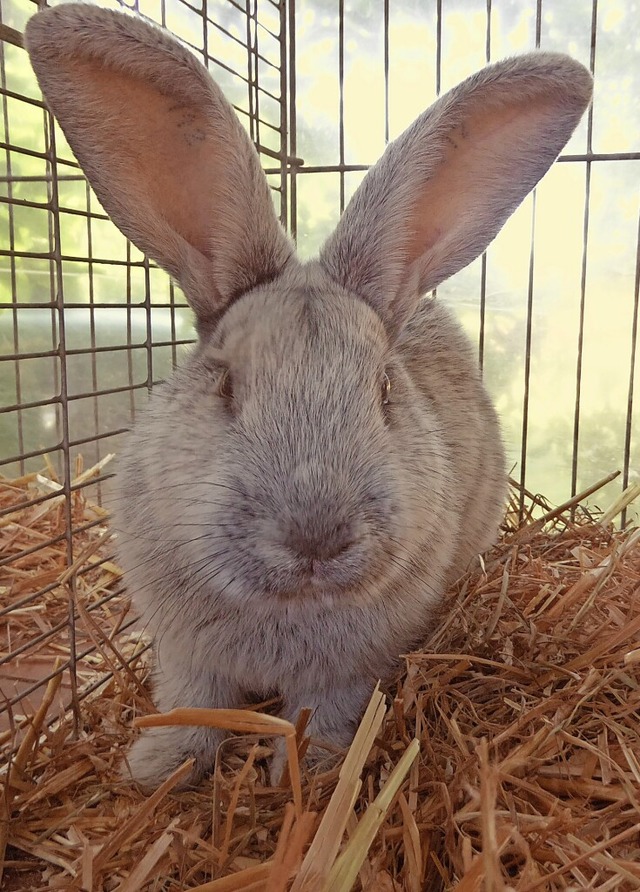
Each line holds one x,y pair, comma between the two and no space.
443,189
163,150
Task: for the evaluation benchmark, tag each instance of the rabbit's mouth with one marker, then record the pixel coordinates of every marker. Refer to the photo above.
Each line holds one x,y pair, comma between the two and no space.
342,577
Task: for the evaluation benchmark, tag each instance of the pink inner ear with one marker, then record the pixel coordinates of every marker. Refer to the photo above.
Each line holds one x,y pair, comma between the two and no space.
147,151
489,162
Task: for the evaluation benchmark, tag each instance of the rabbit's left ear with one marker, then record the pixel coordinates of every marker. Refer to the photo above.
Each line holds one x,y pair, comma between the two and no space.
163,149
442,191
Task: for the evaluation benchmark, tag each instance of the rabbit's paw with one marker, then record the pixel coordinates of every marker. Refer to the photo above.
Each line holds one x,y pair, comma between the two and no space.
277,761
158,752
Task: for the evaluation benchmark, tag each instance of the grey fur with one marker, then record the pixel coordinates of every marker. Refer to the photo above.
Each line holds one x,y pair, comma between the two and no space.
298,535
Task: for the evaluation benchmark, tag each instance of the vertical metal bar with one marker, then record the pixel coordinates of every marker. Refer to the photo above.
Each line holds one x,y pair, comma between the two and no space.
173,336
128,295
438,66
385,15
632,373
205,33
483,310
527,361
254,50
580,343
293,134
438,46
172,290
341,98
487,39
56,260
12,260
148,343
583,273
92,327
250,97
483,262
284,130
57,370
529,327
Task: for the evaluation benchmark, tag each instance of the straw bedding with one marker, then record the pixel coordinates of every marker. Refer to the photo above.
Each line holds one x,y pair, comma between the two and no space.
526,706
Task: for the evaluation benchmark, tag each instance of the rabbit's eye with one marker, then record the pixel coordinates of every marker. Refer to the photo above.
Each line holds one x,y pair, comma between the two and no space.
225,385
385,389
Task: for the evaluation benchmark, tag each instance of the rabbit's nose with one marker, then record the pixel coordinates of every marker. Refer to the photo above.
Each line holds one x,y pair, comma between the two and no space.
323,543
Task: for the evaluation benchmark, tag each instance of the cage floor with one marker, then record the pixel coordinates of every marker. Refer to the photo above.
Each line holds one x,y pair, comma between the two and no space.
526,705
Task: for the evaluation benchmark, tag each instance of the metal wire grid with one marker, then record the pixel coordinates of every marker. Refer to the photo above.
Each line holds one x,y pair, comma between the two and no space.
75,369
137,274
132,276
586,159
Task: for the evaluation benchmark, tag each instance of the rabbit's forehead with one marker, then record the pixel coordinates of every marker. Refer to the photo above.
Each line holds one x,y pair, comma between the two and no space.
309,325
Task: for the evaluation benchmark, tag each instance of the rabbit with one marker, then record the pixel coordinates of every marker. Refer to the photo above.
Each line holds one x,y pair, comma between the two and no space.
296,499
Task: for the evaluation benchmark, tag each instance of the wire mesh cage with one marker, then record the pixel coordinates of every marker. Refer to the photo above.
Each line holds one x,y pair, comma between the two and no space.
88,324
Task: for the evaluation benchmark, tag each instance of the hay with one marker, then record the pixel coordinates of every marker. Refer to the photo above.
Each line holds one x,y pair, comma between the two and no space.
526,706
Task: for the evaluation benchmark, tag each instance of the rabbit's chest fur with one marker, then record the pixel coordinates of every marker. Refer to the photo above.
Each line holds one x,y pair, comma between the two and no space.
273,648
